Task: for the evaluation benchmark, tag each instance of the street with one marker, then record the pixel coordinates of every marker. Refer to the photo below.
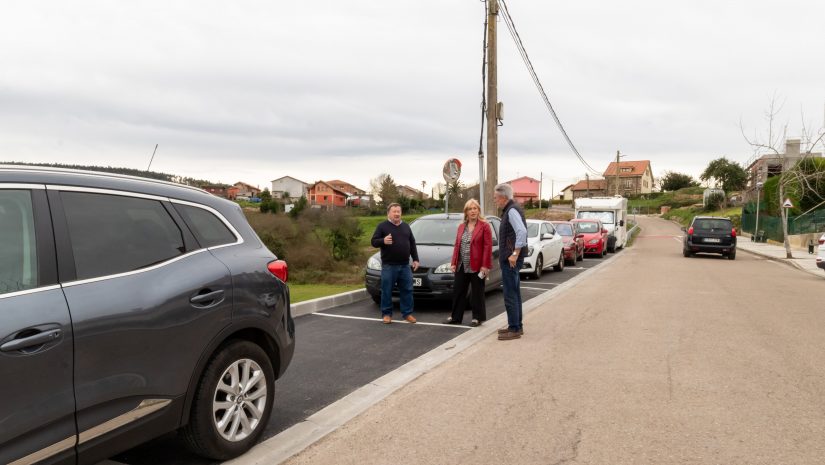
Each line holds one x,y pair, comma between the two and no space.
656,359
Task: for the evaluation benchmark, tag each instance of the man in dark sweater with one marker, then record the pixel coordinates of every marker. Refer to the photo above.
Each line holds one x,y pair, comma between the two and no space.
397,244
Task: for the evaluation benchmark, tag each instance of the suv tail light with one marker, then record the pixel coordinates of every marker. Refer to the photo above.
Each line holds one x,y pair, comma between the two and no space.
279,269
733,232
690,231
822,240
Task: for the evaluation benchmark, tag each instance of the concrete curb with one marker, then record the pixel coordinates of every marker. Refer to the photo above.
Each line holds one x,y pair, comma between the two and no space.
295,439
323,303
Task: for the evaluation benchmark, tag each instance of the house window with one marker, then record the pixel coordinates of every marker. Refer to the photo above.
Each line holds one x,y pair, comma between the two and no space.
627,170
628,183
325,198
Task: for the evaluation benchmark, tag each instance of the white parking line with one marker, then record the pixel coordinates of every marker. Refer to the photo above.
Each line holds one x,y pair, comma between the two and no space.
535,288
394,321
677,238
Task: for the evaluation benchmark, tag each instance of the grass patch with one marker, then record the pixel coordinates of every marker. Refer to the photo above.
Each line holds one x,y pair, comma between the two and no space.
302,292
652,203
684,215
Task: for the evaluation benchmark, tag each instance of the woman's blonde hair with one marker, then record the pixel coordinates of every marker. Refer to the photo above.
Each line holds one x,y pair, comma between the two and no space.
467,206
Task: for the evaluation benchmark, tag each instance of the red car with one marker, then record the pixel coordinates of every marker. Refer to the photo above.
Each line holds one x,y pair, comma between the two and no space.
595,236
573,241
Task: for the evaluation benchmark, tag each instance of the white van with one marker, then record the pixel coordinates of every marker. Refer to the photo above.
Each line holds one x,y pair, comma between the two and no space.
612,211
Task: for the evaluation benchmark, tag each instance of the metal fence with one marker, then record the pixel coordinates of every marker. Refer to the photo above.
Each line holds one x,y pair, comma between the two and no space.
813,222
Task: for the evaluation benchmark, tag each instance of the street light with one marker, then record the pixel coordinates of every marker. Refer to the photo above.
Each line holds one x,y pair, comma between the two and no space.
756,228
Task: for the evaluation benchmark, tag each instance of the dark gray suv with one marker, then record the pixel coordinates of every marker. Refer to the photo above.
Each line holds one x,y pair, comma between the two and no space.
130,308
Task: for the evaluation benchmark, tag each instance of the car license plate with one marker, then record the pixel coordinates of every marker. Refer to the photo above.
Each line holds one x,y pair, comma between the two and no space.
416,282
713,240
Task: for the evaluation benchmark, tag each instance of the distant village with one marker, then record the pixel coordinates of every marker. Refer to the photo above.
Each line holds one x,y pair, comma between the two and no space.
633,178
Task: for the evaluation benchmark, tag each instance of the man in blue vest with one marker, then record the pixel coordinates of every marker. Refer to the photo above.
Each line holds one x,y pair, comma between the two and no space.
513,248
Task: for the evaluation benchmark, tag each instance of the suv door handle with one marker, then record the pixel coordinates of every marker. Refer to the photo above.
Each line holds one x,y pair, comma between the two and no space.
31,341
208,299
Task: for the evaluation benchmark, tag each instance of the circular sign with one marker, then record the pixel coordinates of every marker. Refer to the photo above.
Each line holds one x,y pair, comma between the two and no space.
452,170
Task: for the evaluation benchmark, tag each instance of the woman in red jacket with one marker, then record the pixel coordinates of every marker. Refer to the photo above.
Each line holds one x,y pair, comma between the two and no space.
472,258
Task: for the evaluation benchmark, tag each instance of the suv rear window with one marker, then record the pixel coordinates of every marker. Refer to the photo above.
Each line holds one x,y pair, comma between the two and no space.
706,224
18,251
113,234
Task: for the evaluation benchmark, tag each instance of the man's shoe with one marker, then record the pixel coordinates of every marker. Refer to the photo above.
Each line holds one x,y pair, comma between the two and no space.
410,319
507,328
509,335
450,321
475,323
387,319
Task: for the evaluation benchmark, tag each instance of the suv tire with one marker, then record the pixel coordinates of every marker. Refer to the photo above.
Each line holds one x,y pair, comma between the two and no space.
732,255
686,253
234,362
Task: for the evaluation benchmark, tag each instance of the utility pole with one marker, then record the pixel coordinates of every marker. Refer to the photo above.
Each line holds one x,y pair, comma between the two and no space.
541,180
491,178
617,172
587,176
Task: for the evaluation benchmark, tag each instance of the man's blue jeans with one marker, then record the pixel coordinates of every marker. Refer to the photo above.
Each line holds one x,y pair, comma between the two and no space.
511,280
401,274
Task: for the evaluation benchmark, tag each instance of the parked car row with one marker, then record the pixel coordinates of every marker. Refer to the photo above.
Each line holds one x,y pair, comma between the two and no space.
550,244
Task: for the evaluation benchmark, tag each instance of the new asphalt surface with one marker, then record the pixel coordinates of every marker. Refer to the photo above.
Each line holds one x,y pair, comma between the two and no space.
346,347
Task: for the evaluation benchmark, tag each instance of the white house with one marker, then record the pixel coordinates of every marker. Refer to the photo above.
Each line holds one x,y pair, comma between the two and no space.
294,187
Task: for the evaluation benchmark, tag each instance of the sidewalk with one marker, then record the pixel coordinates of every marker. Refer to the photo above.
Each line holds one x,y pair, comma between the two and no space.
773,251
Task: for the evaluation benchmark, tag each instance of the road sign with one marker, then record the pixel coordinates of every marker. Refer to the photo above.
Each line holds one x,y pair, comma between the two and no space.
452,170
787,204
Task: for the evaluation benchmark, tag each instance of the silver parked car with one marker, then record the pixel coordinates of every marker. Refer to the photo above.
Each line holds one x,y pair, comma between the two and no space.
130,308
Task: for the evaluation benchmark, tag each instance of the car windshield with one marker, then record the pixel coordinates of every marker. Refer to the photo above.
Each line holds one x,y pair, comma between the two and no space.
435,232
708,224
564,229
588,227
532,230
605,217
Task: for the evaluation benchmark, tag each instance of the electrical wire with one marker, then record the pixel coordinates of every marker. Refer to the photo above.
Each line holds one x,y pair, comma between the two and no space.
508,20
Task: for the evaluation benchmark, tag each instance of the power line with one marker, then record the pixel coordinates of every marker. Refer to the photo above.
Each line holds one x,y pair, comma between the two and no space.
508,20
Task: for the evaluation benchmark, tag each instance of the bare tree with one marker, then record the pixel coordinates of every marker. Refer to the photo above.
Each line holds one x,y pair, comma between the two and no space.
797,180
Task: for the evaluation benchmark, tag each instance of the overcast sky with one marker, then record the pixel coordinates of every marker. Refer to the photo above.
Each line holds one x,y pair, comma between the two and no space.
328,89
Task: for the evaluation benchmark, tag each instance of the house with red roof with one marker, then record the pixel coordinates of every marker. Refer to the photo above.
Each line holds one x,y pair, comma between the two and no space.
633,178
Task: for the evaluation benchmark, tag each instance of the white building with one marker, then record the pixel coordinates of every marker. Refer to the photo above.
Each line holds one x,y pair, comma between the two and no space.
294,187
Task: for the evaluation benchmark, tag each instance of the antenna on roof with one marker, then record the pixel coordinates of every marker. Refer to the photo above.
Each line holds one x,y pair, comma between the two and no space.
153,157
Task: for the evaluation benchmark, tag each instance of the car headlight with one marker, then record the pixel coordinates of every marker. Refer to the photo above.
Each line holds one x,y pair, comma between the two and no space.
374,264
530,251
443,269
593,241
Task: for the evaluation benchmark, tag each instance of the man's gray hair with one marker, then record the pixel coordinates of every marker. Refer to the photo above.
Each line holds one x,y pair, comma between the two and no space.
394,204
504,190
